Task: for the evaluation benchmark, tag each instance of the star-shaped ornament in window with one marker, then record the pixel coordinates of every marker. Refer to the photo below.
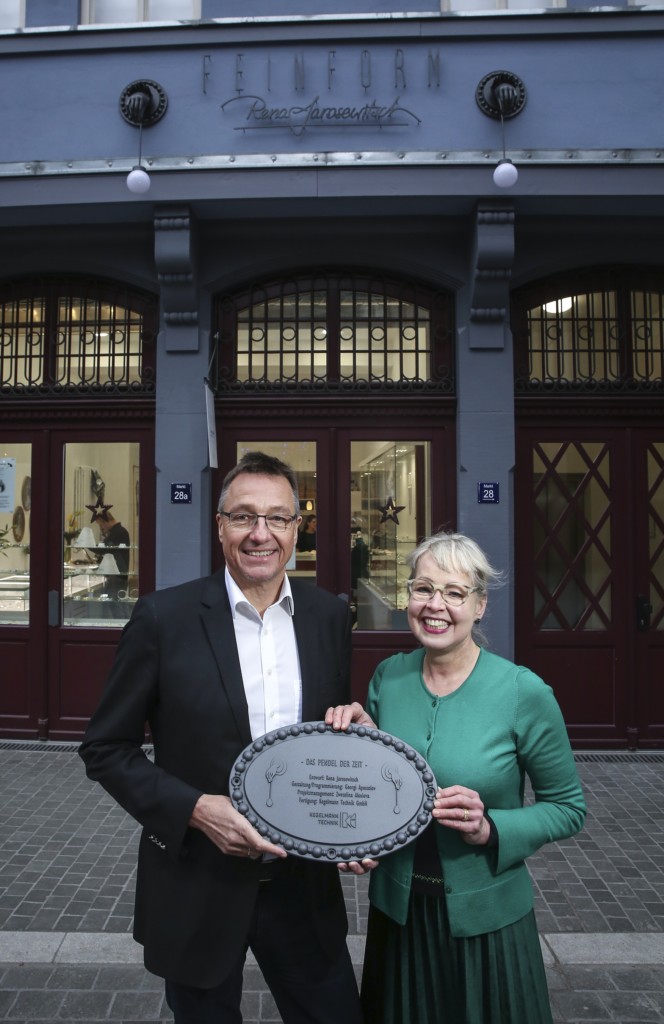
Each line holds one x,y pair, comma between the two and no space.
99,510
390,511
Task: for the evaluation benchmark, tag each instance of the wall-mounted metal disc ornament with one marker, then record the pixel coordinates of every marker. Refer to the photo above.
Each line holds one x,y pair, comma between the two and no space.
143,103
488,92
333,796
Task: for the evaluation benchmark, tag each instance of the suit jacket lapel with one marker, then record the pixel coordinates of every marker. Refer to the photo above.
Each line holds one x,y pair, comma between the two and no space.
218,624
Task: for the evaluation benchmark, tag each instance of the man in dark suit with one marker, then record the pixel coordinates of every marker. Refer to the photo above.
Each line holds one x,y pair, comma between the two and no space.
210,665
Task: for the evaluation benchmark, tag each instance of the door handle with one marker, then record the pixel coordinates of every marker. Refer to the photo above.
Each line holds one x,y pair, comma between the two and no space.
54,608
643,613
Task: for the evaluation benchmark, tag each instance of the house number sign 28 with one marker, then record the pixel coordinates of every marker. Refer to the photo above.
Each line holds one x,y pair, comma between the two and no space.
488,493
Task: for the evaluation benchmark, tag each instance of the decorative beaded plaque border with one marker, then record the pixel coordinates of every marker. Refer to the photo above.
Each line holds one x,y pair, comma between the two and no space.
333,796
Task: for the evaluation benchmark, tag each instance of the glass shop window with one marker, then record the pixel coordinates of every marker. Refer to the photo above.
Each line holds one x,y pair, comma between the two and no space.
15,503
100,532
390,511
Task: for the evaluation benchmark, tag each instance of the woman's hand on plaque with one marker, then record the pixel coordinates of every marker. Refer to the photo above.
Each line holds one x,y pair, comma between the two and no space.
343,715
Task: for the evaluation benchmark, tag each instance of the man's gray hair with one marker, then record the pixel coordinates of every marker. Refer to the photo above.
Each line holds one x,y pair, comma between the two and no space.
266,465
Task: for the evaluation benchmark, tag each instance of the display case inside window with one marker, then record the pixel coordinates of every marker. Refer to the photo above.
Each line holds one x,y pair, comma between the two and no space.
389,514
15,504
100,533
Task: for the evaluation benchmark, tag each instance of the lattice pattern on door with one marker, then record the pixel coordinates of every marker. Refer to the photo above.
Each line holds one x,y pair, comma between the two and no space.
655,460
572,535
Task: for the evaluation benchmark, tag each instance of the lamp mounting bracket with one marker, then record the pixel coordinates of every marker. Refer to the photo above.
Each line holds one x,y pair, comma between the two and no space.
501,94
143,103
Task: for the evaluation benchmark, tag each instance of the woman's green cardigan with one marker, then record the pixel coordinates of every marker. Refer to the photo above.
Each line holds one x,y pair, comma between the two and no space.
501,724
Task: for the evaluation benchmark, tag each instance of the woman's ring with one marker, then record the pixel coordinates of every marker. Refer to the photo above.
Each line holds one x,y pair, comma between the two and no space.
249,852
465,814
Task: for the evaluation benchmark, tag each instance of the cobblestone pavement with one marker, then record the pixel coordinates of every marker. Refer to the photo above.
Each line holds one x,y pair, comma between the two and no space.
67,867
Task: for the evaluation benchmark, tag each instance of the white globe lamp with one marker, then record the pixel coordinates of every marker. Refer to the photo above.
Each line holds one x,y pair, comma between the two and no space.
138,180
505,174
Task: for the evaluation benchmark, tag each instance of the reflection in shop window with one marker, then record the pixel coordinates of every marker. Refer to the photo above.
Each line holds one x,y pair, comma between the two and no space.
100,533
390,513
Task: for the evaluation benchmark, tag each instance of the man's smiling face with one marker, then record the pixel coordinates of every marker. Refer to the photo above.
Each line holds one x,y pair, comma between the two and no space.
257,558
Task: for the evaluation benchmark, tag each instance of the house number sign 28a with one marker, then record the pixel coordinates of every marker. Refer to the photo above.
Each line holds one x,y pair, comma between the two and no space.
180,494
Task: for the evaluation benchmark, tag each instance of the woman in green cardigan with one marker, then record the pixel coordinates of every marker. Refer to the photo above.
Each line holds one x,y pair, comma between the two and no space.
452,937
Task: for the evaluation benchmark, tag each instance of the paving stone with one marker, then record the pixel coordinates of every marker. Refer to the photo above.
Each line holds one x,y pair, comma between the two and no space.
36,1004
581,1006
631,1006
68,863
86,1006
76,976
144,1005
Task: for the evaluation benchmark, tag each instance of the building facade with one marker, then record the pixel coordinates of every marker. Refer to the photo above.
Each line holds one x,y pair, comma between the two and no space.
323,267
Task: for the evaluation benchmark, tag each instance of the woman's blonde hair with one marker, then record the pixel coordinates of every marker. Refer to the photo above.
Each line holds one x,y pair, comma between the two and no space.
454,552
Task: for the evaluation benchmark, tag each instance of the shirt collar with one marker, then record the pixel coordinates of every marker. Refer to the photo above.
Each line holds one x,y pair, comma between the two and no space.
237,597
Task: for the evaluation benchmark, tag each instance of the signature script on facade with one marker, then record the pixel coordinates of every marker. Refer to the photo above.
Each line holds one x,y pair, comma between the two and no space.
298,118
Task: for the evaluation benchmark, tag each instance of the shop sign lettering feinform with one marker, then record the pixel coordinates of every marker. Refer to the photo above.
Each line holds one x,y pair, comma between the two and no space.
322,89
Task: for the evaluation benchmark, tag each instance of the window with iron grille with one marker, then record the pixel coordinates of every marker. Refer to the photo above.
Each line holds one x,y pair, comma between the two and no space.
334,332
599,331
75,337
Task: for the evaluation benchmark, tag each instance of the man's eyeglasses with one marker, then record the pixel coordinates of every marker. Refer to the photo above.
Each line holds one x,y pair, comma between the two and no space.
453,594
276,522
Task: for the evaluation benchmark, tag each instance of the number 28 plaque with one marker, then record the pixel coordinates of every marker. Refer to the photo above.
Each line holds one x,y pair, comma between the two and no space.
329,796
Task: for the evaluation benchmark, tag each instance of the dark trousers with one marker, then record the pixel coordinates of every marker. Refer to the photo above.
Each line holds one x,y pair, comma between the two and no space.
307,987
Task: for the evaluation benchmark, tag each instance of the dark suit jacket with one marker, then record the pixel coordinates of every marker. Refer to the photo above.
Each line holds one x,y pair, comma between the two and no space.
177,668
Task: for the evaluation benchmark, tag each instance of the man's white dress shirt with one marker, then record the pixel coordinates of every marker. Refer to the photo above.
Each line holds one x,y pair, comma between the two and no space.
268,659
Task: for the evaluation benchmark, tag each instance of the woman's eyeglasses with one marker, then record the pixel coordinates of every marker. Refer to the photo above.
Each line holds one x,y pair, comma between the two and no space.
453,594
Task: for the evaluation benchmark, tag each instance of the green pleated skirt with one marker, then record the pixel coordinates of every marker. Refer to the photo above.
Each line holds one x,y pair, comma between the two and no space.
419,974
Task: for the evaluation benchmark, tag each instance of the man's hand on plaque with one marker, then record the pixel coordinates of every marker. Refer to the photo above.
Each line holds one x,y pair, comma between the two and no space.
343,715
216,817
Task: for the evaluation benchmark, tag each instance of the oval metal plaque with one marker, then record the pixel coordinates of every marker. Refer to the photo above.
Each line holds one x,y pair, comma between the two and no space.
333,796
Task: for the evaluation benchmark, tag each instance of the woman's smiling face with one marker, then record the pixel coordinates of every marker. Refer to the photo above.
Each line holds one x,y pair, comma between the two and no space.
439,626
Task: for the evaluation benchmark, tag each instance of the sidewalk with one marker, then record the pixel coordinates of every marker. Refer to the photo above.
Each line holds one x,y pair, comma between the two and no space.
67,863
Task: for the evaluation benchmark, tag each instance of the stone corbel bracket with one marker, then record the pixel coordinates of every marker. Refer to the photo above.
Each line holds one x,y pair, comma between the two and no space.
491,270
175,261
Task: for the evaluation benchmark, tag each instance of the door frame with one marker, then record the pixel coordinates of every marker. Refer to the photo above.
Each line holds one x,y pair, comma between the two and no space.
54,653
428,420
575,662
648,645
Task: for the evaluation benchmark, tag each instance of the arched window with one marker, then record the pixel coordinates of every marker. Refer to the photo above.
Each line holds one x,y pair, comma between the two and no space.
75,336
331,332
600,331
